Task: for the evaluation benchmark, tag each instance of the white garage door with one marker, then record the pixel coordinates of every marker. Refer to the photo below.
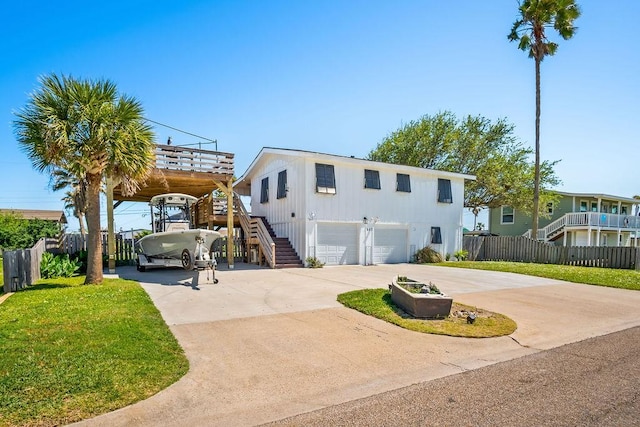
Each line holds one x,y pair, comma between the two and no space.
390,245
337,244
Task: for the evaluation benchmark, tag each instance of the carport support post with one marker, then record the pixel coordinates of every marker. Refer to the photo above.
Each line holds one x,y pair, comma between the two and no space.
228,190
230,250
111,243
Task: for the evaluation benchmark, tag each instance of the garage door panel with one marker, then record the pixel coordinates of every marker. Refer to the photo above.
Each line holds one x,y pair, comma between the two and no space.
337,244
390,246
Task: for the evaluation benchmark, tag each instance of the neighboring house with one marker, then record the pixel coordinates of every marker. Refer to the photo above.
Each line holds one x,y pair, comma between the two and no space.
344,210
578,219
46,215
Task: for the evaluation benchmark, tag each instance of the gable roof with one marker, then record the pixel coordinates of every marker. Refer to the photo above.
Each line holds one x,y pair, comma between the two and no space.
272,151
47,215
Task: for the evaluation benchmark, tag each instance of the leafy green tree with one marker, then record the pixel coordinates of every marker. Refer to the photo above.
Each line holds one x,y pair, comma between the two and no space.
88,129
475,146
530,31
17,232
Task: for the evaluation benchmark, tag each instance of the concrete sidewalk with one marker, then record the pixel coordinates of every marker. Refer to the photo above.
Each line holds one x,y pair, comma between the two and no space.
267,344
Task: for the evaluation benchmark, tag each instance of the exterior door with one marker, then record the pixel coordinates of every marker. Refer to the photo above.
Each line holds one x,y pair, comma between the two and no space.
337,244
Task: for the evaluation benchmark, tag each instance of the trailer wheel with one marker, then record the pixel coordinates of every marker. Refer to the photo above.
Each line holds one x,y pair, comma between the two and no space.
140,268
187,260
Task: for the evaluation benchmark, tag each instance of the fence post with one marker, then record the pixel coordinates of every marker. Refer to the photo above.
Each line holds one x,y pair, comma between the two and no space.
6,270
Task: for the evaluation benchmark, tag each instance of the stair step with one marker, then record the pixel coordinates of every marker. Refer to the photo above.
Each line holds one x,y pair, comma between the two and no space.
299,265
286,256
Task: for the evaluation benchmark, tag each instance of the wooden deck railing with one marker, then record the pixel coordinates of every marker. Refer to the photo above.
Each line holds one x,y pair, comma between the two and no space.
256,232
210,208
589,219
178,158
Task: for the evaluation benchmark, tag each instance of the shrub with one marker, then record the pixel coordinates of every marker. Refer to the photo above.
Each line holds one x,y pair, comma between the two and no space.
461,255
81,259
53,266
313,262
428,255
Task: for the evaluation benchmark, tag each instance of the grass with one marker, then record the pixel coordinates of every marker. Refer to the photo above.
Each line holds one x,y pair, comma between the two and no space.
378,303
614,278
70,352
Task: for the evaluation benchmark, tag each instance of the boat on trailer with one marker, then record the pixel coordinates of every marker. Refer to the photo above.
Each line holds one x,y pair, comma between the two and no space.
174,242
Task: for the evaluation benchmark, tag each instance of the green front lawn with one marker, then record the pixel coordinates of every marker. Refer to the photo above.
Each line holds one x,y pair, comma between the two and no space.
71,352
624,279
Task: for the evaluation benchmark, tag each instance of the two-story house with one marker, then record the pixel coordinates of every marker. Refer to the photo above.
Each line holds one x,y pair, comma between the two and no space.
578,219
345,210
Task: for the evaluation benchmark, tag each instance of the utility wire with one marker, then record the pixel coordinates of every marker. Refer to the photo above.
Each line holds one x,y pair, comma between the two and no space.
214,141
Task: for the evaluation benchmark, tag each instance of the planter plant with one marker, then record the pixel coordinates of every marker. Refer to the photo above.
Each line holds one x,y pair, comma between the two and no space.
419,299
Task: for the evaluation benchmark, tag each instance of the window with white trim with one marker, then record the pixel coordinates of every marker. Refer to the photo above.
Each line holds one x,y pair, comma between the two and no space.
583,205
444,191
403,183
372,179
507,215
550,208
325,179
436,235
282,184
264,190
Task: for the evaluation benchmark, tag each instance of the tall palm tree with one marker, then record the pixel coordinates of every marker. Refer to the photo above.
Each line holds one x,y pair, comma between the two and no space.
536,17
76,198
89,130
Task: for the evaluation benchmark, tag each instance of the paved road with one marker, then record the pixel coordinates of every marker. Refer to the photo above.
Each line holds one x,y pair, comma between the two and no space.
265,344
595,382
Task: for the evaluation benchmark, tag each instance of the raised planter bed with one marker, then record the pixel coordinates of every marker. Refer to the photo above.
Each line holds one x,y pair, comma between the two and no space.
420,305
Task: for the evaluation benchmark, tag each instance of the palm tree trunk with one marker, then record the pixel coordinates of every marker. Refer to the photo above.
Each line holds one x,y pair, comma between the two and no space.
94,241
83,230
536,184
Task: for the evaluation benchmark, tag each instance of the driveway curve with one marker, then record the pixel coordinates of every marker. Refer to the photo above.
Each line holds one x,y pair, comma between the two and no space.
266,344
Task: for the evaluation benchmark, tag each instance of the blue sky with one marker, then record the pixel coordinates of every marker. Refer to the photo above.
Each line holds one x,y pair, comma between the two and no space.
330,76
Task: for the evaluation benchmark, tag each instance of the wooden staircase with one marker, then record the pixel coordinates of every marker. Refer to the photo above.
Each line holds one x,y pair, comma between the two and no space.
277,252
286,256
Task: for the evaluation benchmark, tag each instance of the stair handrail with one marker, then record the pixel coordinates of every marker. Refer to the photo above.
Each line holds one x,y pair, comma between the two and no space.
243,215
267,245
552,227
255,228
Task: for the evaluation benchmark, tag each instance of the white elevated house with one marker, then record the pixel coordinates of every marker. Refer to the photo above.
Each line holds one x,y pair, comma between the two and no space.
345,210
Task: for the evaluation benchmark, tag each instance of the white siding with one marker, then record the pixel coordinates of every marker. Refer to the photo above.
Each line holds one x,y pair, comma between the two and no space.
414,213
286,216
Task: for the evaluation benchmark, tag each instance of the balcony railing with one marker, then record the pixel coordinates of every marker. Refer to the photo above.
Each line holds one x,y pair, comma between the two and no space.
178,158
591,219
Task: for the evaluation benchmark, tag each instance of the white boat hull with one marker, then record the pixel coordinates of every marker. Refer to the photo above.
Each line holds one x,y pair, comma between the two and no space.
171,244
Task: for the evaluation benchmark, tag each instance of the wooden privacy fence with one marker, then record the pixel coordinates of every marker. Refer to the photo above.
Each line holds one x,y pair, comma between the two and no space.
125,250
21,268
524,249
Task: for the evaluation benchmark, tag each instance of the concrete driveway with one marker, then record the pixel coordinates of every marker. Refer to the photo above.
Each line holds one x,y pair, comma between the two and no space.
268,344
